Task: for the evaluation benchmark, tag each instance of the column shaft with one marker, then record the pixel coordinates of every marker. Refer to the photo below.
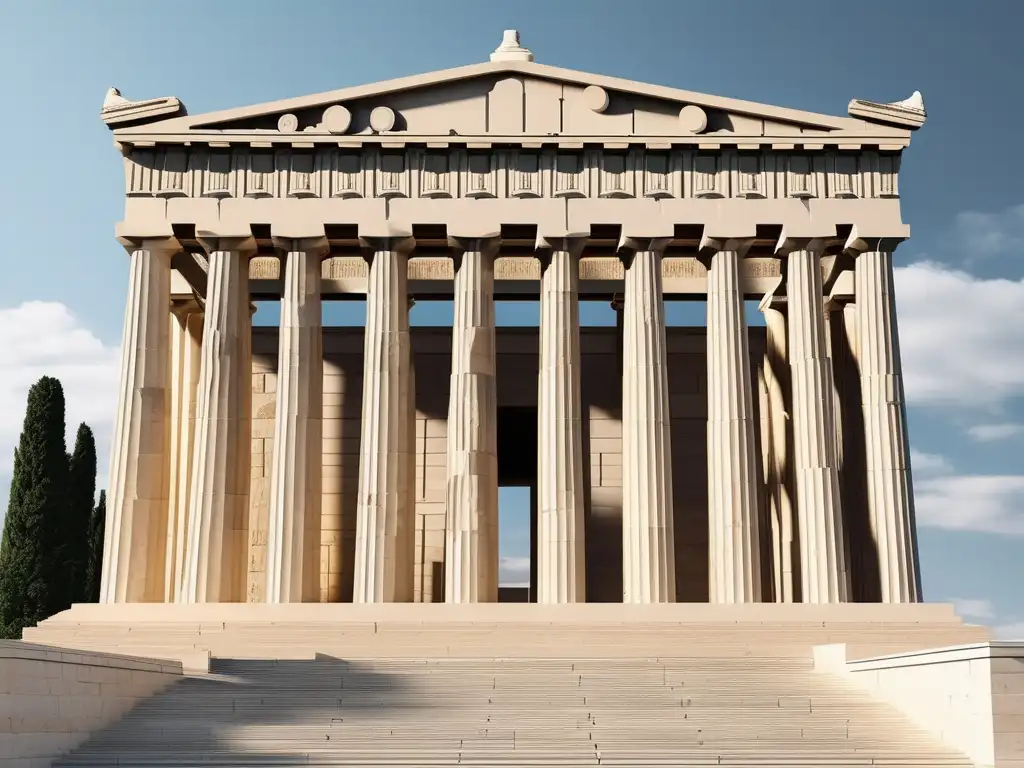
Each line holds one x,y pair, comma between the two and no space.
777,447
648,541
471,529
824,575
219,498
293,530
385,512
186,354
733,526
890,498
561,572
134,541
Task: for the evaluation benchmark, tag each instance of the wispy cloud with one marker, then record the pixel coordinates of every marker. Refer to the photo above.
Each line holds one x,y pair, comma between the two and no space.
928,463
989,433
973,608
514,571
983,235
958,334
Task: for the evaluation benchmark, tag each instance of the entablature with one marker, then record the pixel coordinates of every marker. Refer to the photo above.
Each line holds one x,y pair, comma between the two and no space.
541,171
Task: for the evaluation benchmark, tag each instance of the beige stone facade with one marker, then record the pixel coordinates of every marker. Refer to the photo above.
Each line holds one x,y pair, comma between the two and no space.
729,464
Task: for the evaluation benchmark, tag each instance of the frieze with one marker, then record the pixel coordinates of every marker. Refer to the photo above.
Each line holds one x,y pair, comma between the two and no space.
341,173
513,268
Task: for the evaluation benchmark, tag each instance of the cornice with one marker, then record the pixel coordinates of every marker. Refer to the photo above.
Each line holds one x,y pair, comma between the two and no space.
908,113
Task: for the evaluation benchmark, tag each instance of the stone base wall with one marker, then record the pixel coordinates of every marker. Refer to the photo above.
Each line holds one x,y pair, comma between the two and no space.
517,353
52,699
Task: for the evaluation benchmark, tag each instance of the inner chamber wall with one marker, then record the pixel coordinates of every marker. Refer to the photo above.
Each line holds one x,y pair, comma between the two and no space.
517,360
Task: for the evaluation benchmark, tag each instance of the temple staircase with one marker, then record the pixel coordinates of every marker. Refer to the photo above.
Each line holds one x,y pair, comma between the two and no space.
508,685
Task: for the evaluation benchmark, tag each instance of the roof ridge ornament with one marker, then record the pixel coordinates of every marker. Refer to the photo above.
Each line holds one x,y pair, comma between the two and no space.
510,49
909,112
118,111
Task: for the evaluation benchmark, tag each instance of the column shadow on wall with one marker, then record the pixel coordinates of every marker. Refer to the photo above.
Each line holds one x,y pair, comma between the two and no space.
862,552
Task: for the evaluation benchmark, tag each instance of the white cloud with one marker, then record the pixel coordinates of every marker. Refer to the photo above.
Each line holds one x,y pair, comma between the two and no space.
514,571
983,503
928,463
986,235
987,433
39,338
960,337
973,608
986,503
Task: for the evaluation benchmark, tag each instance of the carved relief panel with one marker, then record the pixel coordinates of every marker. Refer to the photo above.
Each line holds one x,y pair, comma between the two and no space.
479,174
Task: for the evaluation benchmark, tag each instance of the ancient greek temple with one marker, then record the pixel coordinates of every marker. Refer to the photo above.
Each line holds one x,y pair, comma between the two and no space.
731,463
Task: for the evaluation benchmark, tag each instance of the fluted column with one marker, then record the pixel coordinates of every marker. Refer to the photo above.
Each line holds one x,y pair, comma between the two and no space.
385,512
561,572
293,520
134,540
823,571
733,524
889,487
648,542
186,354
777,450
471,527
219,498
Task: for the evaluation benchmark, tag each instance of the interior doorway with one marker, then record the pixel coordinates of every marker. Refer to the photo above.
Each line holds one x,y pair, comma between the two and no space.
517,504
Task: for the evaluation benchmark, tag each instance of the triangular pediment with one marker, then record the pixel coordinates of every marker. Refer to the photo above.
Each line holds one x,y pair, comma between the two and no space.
519,101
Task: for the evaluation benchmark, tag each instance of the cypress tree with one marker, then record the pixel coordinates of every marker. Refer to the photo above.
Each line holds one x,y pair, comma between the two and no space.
30,552
94,566
81,500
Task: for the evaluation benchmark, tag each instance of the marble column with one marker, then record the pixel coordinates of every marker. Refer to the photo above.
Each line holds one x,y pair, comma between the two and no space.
889,488
134,548
385,512
293,520
648,542
471,527
186,354
777,448
733,524
217,542
823,572
561,555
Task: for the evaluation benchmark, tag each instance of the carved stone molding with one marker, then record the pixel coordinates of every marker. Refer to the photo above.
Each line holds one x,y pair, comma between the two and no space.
340,173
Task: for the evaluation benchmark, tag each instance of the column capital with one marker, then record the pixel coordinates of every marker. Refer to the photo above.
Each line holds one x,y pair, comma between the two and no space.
814,239
712,244
629,245
573,243
316,245
865,239
485,244
397,243
213,242
169,245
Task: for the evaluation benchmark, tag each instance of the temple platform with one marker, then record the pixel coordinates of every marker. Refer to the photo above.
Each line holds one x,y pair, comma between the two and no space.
195,633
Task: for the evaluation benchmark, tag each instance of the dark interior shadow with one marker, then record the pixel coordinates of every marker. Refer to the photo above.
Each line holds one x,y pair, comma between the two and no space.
865,575
313,707
601,396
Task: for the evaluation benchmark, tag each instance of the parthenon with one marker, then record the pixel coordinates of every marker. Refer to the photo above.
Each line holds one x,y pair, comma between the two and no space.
304,463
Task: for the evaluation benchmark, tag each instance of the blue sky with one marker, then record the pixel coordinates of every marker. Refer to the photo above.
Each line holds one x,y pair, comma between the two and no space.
960,281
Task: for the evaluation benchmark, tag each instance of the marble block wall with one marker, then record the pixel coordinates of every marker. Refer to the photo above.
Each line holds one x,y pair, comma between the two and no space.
518,358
